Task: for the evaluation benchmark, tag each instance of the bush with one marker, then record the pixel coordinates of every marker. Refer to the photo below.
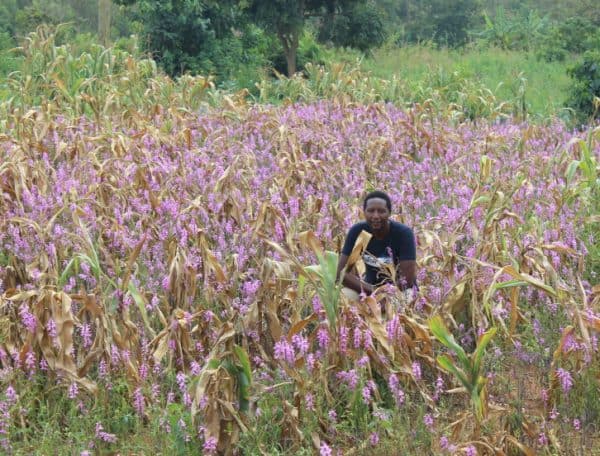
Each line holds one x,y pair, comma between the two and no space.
362,28
574,35
8,60
586,88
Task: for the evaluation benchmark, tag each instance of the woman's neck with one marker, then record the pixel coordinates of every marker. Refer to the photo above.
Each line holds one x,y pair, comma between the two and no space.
383,232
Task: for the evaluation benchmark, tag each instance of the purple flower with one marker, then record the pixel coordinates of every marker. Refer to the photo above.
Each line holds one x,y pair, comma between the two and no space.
11,394
444,443
566,381
27,318
73,390
301,343
323,337
428,420
343,339
324,450
470,451
374,438
51,328
310,401
86,334
332,416
366,394
284,351
416,369
210,445
138,401
357,338
542,439
104,436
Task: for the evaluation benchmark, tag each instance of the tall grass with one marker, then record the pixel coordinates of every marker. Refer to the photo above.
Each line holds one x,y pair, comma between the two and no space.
510,75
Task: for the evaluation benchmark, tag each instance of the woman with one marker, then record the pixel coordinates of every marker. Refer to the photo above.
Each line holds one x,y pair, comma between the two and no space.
390,256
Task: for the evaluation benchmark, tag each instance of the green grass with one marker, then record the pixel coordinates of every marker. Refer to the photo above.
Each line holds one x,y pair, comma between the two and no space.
506,73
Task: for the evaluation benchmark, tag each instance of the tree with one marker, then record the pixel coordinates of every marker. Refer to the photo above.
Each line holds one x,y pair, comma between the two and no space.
444,22
192,35
585,91
104,16
360,27
286,18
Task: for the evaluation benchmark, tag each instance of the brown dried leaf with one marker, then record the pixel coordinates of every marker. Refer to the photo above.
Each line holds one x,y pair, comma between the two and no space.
309,240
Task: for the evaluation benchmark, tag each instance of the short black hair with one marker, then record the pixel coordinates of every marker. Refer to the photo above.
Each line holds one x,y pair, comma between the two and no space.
378,194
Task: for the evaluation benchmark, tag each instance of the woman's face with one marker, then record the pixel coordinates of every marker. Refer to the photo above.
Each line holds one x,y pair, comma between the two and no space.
377,214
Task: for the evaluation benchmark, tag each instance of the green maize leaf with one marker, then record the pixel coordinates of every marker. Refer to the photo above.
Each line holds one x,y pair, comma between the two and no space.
231,368
480,200
480,383
243,383
72,264
314,269
483,341
447,364
438,328
244,361
509,284
94,264
243,391
330,262
301,284
571,170
477,402
214,363
529,279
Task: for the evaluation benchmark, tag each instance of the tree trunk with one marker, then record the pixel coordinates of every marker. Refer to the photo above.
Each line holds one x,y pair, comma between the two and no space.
104,21
289,41
290,57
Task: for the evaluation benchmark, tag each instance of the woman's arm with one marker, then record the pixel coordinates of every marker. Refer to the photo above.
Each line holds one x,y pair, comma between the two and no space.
407,274
350,279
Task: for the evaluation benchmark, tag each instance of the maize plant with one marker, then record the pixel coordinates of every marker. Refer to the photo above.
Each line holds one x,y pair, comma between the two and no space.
466,368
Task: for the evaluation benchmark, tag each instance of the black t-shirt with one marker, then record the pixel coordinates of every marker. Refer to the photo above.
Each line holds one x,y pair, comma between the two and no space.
398,245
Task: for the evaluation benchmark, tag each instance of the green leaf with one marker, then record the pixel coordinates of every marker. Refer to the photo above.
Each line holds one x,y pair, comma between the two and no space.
446,363
214,363
483,341
571,170
72,264
243,391
509,284
301,284
438,328
477,401
244,360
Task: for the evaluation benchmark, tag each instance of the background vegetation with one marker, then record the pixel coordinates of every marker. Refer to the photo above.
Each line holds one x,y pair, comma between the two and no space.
538,54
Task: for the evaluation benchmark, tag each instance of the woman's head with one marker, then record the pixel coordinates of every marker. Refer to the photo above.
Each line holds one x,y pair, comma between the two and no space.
377,207
379,195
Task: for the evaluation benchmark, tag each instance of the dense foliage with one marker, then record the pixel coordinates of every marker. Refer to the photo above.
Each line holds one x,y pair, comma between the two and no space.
585,94
240,43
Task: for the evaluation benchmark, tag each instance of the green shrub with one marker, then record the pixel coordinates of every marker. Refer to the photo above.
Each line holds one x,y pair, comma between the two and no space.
586,87
574,35
362,29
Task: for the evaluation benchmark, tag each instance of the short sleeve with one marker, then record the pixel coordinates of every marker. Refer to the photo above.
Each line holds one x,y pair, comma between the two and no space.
406,248
351,239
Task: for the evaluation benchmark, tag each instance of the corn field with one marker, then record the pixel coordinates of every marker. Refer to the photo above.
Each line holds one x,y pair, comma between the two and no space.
172,248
